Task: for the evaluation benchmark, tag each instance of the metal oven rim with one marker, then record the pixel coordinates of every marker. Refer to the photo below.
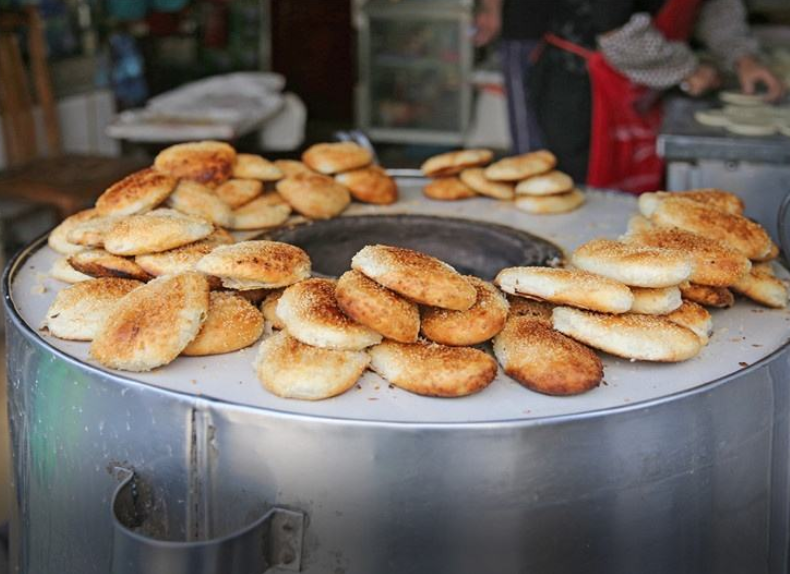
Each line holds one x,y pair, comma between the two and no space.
13,315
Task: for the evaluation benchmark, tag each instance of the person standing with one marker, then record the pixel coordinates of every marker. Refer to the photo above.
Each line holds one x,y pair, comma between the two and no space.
520,24
598,84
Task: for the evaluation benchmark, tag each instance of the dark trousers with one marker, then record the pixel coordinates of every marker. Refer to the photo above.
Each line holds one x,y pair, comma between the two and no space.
525,130
563,105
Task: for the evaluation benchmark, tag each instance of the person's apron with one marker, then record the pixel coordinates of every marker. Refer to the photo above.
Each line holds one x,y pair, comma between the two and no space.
623,140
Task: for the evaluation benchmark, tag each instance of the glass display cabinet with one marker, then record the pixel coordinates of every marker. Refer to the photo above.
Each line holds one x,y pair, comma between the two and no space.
415,65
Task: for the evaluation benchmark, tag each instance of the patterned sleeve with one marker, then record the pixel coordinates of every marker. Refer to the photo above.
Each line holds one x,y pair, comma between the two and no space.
723,28
640,52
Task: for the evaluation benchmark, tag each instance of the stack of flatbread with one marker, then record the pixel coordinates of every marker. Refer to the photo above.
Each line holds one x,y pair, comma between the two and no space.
416,322
216,189
370,317
156,275
643,297
529,180
732,252
202,301
747,115
329,176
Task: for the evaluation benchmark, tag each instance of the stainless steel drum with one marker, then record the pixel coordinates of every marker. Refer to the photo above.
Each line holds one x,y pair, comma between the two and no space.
677,468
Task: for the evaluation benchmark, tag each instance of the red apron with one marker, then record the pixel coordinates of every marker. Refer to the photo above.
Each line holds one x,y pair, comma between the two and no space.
623,140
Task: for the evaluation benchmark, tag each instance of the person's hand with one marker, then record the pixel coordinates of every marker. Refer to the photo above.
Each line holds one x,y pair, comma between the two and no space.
488,23
752,73
704,79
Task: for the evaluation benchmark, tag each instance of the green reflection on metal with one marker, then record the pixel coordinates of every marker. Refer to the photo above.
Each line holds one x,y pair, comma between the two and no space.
57,426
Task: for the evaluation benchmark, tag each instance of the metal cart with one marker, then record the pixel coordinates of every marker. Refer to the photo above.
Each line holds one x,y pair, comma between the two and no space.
756,168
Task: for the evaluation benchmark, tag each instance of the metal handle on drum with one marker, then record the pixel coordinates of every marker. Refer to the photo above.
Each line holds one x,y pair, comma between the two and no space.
405,173
274,540
360,138
784,227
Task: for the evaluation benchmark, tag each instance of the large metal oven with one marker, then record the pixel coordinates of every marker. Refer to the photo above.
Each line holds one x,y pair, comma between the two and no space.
664,468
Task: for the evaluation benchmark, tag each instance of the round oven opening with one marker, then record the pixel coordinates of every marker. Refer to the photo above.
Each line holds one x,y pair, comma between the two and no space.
472,247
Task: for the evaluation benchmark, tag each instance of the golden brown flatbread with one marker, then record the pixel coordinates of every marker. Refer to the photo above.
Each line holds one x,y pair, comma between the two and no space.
433,370
207,162
377,307
416,276
478,324
544,360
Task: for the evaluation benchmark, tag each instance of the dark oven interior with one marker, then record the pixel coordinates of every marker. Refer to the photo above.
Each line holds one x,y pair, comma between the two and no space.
472,247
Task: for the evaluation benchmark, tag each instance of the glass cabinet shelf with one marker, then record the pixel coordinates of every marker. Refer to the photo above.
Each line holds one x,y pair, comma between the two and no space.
414,72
